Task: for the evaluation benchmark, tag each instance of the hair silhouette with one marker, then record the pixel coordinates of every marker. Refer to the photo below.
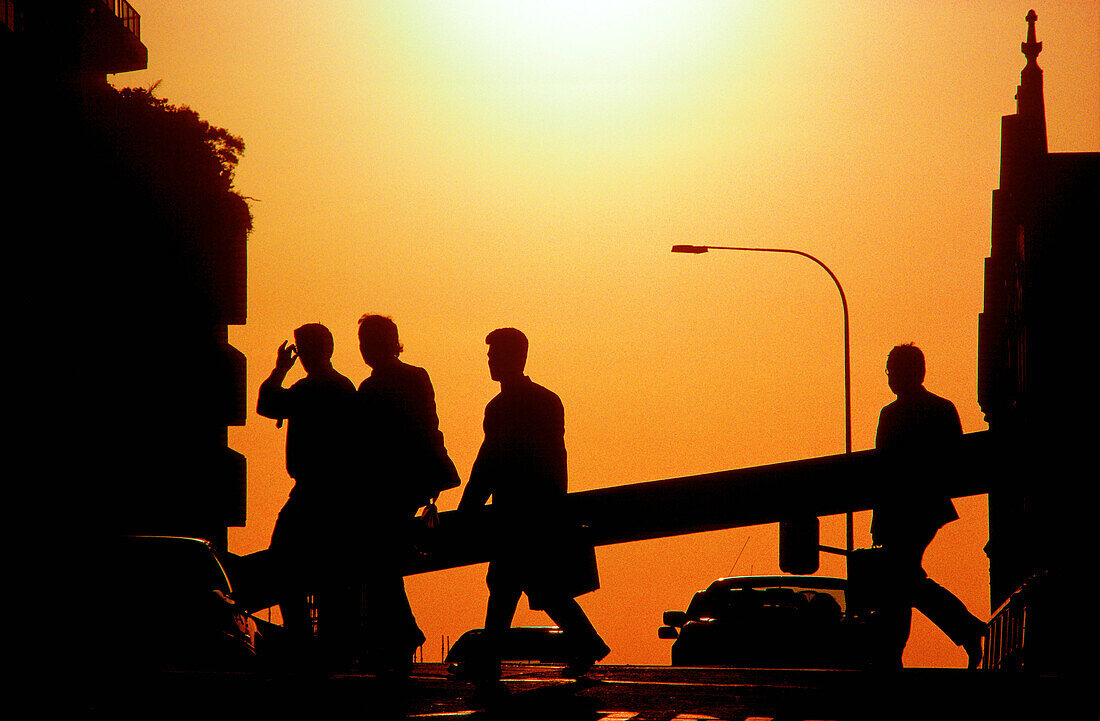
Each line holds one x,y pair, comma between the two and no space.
378,335
314,339
905,367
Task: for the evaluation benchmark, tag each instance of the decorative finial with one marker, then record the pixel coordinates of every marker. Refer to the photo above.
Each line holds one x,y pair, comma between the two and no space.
1031,49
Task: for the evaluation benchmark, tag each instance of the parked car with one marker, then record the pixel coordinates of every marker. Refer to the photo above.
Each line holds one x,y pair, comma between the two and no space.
532,644
767,622
174,606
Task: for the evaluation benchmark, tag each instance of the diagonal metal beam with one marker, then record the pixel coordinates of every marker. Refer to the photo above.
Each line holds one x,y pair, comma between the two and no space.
730,499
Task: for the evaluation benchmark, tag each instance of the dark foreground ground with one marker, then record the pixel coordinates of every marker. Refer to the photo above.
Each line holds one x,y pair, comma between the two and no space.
611,693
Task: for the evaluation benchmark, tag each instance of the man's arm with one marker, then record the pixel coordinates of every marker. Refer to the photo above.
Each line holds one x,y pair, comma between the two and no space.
426,419
422,411
953,422
274,400
885,434
477,490
480,486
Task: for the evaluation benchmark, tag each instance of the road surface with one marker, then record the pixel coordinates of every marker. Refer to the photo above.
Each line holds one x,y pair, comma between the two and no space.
610,693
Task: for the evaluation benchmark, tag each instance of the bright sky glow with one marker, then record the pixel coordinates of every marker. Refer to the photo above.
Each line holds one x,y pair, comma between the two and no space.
561,68
580,40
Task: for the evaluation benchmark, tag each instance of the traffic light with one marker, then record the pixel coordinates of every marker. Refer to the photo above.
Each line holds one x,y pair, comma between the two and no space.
798,545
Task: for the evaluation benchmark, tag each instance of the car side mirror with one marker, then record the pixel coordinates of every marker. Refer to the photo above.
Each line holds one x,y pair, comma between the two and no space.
667,632
674,618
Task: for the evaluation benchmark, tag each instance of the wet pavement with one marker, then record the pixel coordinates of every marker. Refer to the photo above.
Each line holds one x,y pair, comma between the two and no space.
609,693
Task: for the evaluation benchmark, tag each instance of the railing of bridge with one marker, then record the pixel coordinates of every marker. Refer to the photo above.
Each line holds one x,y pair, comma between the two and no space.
125,12
1004,640
1009,642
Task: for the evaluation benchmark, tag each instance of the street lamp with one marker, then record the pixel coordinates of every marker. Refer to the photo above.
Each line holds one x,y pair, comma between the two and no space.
696,249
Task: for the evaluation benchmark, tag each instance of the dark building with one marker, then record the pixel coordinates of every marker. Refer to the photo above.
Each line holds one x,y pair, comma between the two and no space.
70,43
1034,383
127,243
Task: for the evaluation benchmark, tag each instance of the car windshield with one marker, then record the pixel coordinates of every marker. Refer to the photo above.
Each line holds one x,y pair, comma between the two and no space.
167,565
732,595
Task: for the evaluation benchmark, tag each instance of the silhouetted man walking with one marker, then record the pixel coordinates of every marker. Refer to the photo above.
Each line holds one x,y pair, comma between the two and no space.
915,430
317,410
407,466
522,465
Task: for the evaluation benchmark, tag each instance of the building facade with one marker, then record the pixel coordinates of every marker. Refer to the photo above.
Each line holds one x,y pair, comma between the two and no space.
1032,332
131,265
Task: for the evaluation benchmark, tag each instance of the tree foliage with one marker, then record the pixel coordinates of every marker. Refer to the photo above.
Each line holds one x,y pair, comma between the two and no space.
205,150
158,184
129,241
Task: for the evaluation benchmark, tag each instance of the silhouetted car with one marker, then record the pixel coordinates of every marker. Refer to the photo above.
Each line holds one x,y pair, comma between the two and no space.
175,606
767,622
536,644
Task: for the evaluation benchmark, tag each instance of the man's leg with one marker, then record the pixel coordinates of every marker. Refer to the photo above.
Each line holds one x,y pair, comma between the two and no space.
406,635
893,620
339,612
951,615
943,608
501,609
891,633
288,547
588,647
391,632
295,612
499,612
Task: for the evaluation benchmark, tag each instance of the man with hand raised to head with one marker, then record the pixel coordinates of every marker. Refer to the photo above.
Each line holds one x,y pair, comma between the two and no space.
318,411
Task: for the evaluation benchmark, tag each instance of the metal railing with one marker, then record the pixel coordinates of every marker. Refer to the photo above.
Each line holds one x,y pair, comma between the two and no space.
1009,643
125,12
7,10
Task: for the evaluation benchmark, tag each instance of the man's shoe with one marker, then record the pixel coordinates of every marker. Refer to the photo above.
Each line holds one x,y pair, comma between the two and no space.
581,665
477,672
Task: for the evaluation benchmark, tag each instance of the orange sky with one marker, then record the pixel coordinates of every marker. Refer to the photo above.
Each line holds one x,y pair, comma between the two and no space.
462,166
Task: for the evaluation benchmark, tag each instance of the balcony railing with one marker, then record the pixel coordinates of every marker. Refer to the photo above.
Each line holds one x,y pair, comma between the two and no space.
126,13
7,15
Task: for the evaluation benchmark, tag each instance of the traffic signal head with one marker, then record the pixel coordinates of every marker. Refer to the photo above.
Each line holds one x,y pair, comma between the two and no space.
798,545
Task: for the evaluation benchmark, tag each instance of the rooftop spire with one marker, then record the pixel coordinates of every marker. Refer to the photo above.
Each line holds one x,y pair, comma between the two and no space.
1028,142
1031,49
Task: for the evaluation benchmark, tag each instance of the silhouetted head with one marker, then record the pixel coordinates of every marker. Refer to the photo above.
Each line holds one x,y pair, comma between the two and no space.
905,368
315,345
378,341
507,354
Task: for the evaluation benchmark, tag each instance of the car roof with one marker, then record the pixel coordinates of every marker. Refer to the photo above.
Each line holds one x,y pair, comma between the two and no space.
518,631
172,560
532,643
169,539
784,581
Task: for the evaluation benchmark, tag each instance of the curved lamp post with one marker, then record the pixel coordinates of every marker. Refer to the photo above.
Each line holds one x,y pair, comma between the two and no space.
696,249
